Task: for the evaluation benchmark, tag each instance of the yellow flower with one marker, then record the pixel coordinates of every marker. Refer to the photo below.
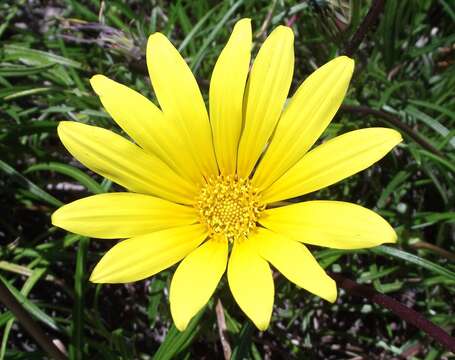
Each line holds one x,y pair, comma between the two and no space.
200,188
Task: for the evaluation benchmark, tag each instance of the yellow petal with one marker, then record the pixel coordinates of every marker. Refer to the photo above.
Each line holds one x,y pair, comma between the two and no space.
180,99
146,125
121,215
268,88
251,283
226,95
334,224
296,263
143,256
115,158
196,279
306,116
333,161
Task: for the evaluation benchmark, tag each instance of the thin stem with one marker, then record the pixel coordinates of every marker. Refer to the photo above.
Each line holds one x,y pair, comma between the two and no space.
395,121
374,12
222,329
405,313
436,249
266,23
24,318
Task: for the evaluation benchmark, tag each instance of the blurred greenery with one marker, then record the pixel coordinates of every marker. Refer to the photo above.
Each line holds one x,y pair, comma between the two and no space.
405,66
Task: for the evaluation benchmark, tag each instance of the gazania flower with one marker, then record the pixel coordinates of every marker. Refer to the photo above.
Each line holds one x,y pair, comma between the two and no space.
209,191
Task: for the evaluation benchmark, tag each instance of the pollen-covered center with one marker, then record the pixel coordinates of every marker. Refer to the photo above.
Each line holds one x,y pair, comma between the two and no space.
229,206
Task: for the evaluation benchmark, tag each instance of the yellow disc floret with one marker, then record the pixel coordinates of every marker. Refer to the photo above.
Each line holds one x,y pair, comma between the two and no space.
229,206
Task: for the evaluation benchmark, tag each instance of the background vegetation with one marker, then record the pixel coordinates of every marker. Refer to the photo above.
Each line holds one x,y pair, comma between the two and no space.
49,50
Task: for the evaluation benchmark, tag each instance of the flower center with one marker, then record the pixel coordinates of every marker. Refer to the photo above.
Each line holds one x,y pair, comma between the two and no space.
229,206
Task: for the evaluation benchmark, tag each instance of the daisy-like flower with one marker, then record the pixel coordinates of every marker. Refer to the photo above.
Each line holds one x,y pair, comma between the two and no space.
208,190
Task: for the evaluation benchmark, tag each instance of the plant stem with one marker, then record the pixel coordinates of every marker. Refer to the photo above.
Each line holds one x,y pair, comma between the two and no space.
405,313
395,121
374,12
24,318
222,330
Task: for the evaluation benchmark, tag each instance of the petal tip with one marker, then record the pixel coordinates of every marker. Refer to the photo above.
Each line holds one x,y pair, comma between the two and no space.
55,219
331,296
96,277
242,30
180,320
346,59
284,31
97,82
66,128
63,126
156,36
246,21
181,325
346,63
263,325
394,237
398,136
393,137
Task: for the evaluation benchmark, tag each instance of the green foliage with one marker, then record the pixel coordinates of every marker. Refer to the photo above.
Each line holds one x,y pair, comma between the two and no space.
404,66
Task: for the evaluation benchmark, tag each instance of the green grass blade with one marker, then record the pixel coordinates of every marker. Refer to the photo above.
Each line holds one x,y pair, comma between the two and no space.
414,259
189,38
34,310
34,189
72,172
80,278
26,288
241,350
200,55
176,341
37,57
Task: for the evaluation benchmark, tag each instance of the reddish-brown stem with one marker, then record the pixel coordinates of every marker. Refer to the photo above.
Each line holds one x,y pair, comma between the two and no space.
405,313
374,12
395,121
222,330
24,318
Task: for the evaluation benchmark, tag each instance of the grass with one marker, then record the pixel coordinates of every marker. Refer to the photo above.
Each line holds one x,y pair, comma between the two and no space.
404,67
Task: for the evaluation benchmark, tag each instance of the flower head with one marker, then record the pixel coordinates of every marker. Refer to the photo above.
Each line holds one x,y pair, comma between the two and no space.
200,188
